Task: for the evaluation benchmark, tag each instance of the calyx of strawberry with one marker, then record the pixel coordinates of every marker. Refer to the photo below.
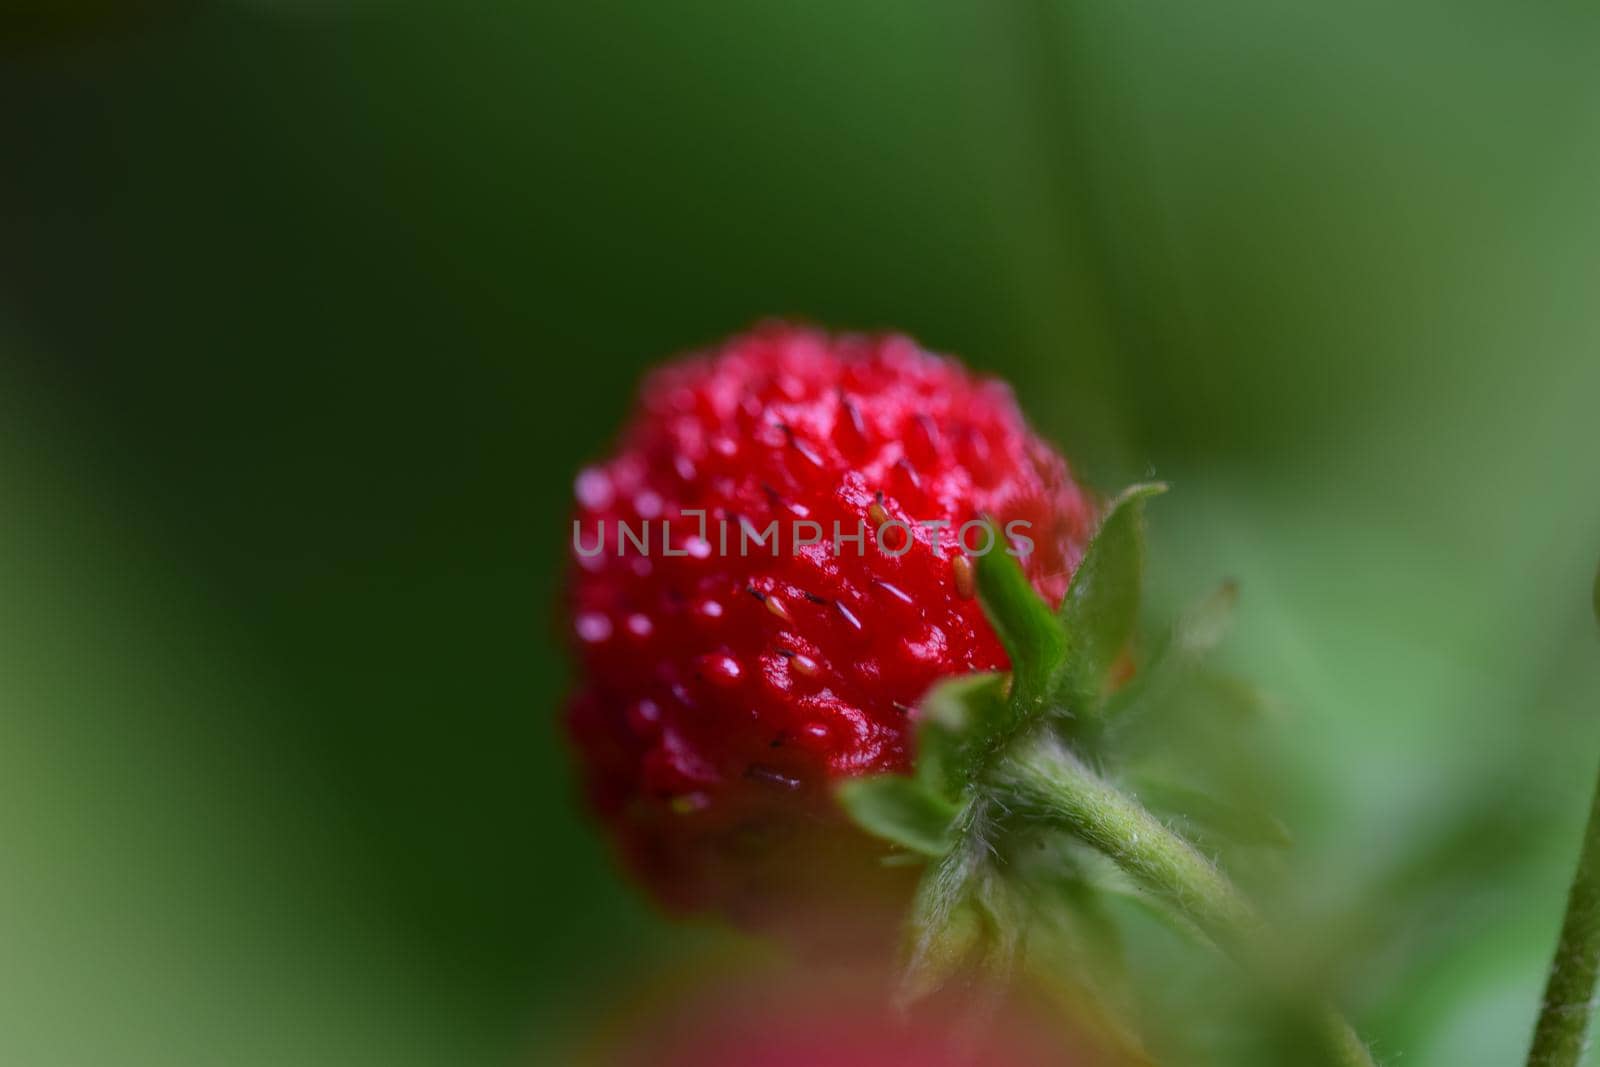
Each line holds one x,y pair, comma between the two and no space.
1011,806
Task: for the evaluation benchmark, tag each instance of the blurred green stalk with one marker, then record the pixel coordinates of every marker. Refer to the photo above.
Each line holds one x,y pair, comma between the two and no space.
1563,1028
1161,862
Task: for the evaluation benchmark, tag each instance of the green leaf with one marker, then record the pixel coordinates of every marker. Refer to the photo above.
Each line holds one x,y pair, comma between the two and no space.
1203,626
1194,718
1597,596
901,810
1214,818
1103,600
1179,652
1032,635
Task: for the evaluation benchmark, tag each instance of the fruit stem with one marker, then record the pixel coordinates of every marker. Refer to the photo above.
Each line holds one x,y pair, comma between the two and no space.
1045,775
1563,1028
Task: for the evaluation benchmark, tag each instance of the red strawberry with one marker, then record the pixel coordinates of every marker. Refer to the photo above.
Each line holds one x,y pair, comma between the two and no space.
757,1017
720,694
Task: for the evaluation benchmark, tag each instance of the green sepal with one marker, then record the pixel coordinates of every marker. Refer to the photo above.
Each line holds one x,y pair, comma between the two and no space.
1102,602
901,810
959,722
948,928
1033,637
941,946
1177,654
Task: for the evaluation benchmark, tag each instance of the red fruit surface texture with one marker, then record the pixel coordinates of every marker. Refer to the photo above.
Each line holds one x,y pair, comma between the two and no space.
720,694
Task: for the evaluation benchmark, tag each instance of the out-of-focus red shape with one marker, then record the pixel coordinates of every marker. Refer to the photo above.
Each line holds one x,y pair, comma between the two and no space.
836,1019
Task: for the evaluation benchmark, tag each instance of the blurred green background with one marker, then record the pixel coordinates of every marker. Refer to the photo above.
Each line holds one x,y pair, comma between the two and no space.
310,310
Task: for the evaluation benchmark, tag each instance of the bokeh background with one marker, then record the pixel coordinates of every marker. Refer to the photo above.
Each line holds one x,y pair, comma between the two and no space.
311,310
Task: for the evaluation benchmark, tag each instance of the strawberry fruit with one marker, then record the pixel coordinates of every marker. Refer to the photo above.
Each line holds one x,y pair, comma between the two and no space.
770,570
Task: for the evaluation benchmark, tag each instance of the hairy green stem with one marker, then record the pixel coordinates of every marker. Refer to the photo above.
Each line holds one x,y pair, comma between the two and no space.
1046,775
1563,1027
